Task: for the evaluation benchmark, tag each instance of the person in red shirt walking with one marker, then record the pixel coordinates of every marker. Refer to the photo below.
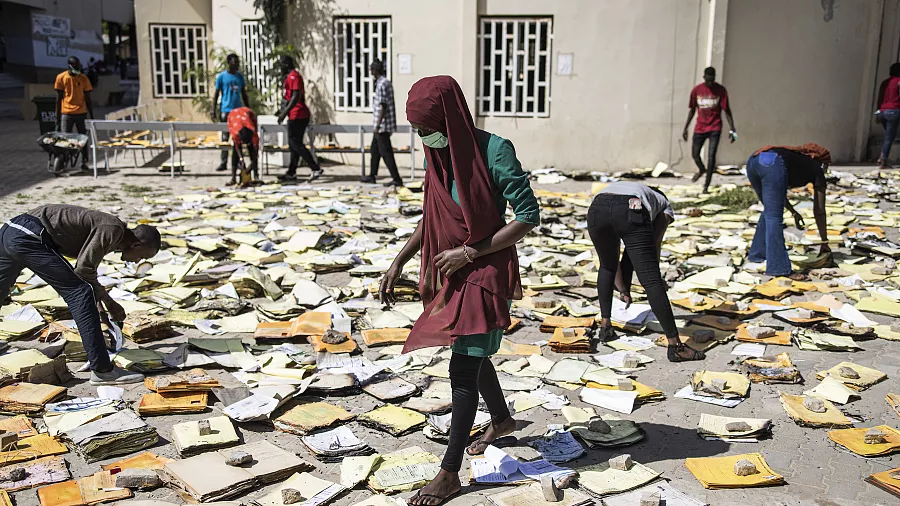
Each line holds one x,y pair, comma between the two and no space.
708,100
293,107
889,112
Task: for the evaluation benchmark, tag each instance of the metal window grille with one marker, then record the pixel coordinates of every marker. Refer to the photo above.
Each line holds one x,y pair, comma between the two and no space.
358,41
255,54
514,67
174,49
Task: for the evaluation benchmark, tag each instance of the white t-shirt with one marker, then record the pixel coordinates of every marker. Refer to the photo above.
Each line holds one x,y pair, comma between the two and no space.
652,200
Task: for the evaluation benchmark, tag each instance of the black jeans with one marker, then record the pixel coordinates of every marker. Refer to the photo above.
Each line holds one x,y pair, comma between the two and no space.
713,148
76,122
254,157
25,243
234,156
609,220
296,129
469,376
381,148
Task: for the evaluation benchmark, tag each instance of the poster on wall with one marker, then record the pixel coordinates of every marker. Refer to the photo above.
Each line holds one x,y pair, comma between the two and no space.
51,26
57,46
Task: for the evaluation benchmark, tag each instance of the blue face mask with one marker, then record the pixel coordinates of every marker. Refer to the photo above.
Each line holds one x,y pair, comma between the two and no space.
435,140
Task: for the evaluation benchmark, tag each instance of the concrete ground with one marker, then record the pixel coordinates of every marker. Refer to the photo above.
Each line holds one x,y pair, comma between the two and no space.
816,472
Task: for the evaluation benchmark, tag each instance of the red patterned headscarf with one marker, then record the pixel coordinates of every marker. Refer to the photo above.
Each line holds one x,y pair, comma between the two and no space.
474,299
814,151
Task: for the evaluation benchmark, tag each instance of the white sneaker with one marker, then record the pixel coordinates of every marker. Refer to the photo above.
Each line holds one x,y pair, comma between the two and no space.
117,376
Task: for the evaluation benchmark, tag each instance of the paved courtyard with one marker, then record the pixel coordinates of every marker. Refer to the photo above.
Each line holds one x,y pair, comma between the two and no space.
816,471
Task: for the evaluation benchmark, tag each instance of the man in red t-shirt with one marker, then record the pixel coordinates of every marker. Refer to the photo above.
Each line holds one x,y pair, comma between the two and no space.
293,107
708,100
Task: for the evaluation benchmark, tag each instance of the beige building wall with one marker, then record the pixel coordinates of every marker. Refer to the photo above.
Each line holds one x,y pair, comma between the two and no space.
795,78
173,12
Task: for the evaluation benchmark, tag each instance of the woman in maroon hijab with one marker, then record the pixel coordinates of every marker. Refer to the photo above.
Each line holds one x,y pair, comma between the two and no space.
469,269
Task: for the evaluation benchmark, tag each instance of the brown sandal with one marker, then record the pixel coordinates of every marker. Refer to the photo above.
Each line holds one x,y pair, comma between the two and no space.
673,353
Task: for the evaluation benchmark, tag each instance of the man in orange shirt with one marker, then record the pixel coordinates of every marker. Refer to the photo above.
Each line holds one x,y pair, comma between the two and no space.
73,102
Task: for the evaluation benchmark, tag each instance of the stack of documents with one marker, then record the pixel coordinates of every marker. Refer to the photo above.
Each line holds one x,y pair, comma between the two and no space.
306,418
28,397
393,389
720,385
333,445
308,324
669,495
551,323
194,380
866,376
622,433
37,472
777,369
394,420
831,418
570,340
816,341
403,470
96,488
384,337
601,480
854,440
884,481
314,490
532,494
718,472
713,427
438,426
172,403
117,434
11,330
188,441
140,360
833,390
499,468
142,327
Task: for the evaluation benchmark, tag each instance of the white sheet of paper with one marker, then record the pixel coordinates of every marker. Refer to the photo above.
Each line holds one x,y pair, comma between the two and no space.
615,400
688,393
851,315
504,464
749,350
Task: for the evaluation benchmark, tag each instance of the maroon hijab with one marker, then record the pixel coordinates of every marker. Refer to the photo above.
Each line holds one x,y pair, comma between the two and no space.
474,299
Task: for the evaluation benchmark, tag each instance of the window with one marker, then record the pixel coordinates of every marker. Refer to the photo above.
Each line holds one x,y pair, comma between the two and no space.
358,41
255,54
514,67
175,49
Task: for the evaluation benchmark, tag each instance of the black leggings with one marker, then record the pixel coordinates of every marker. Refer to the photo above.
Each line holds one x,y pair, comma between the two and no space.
712,150
296,128
468,377
611,220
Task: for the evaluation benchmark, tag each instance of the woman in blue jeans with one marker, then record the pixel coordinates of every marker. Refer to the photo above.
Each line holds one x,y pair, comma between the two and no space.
771,171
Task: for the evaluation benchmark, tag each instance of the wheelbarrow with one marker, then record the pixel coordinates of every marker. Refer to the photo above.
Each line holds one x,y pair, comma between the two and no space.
63,150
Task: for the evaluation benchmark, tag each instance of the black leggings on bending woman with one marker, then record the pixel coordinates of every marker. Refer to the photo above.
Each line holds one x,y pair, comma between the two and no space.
469,376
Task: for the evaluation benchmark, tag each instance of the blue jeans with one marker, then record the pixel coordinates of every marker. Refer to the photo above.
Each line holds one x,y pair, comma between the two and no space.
768,176
890,119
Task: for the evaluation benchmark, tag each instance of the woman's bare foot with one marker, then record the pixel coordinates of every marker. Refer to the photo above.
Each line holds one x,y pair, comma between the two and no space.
493,433
438,490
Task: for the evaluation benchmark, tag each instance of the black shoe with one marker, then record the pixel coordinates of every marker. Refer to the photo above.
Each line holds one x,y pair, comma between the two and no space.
606,334
393,184
221,168
367,180
287,177
316,174
85,168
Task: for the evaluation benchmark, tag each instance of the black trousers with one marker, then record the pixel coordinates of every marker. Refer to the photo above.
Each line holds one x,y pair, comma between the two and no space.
25,243
234,155
76,122
469,376
381,148
713,149
610,220
254,160
296,129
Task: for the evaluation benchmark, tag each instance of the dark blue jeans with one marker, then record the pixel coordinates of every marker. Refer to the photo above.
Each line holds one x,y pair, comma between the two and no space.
768,176
890,119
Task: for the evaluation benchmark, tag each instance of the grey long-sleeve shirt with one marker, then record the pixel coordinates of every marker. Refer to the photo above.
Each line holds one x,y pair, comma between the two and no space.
83,234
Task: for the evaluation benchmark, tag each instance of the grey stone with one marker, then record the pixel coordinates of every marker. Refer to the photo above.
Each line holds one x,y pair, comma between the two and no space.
291,496
804,314
597,424
881,271
784,282
696,299
138,478
760,332
719,384
542,302
737,426
203,428
332,336
569,332
744,467
621,462
742,306
626,385
894,475
814,404
551,492
238,458
848,372
703,335
631,361
874,436
651,498
14,474
724,320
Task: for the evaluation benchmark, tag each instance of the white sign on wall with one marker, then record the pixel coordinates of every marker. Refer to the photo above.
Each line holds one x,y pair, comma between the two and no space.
57,46
564,64
404,63
43,24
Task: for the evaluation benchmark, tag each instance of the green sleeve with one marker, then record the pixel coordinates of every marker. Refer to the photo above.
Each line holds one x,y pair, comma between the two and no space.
513,182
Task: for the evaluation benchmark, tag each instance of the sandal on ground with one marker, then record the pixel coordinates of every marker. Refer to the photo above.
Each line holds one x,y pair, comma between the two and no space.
481,445
677,353
606,334
697,176
798,276
231,183
433,496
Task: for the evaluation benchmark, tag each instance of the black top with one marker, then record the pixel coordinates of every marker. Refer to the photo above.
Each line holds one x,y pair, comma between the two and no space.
801,169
